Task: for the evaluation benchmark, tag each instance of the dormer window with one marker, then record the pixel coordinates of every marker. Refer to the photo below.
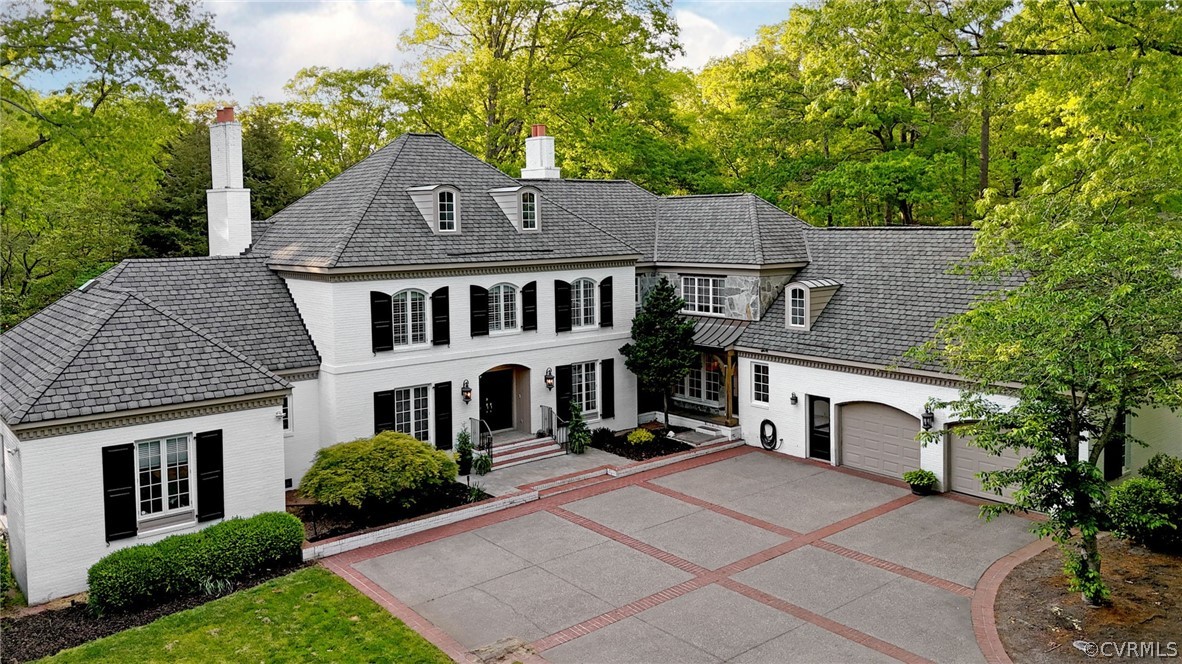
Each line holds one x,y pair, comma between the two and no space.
797,307
529,211
446,211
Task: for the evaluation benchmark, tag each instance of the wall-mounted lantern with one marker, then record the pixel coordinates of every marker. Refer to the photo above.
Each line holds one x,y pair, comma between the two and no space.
929,418
466,391
549,378
793,399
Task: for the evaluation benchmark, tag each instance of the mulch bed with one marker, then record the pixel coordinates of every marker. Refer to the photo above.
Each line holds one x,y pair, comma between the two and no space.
1038,618
321,523
35,635
660,446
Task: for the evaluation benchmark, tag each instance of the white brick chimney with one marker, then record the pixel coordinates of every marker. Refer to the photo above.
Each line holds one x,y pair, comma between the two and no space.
228,201
539,156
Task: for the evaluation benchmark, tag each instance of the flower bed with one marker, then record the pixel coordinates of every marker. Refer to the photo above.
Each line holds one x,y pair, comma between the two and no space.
618,444
321,523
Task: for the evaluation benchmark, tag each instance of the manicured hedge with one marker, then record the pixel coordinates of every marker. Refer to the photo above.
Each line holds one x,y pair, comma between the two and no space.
1148,509
149,574
390,468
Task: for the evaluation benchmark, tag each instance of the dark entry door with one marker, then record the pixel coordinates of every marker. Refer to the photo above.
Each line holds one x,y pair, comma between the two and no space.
496,399
819,428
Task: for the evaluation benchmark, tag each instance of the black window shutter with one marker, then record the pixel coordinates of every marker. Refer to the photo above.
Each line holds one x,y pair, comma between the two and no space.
381,318
479,310
605,303
211,489
440,323
443,416
529,306
561,306
607,388
383,411
119,504
562,381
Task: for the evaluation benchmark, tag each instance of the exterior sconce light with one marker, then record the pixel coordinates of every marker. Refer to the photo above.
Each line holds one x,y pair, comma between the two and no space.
928,419
793,399
549,378
466,391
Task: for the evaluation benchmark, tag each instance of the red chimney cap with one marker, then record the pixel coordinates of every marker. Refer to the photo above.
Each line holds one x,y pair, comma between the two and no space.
537,130
225,114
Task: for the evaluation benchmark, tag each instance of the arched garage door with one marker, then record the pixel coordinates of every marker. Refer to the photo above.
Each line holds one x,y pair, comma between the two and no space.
965,461
878,439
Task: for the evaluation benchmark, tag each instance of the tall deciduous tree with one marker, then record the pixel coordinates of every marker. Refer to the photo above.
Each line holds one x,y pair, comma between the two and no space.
662,351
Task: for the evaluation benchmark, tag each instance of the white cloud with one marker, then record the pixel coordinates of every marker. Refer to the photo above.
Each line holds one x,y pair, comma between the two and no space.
274,40
703,39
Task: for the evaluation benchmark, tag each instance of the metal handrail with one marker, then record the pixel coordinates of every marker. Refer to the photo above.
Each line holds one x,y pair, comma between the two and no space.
555,427
484,436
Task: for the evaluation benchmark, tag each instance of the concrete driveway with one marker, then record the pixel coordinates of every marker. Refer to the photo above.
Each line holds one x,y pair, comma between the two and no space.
753,557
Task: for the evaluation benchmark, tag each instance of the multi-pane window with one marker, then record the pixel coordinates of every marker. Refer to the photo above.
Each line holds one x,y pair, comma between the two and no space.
411,411
583,386
502,308
796,307
410,318
529,211
447,210
761,383
704,295
703,382
163,467
713,384
582,303
286,415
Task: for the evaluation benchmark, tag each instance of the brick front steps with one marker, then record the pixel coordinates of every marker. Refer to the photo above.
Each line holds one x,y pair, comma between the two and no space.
527,493
515,454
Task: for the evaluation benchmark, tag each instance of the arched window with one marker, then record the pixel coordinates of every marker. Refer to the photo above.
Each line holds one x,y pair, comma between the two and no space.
410,318
797,298
582,303
502,308
529,211
446,213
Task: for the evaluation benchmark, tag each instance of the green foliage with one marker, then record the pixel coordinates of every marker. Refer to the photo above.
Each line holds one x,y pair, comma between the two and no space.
309,614
482,464
1145,511
464,451
602,436
920,479
1165,469
10,594
389,468
577,434
150,574
640,437
662,351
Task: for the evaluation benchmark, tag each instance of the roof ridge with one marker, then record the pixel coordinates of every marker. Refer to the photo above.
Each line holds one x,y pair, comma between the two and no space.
912,227
344,244
756,228
731,194
68,359
592,224
195,329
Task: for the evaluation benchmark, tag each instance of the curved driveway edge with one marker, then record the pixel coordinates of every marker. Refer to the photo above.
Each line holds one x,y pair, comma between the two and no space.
984,617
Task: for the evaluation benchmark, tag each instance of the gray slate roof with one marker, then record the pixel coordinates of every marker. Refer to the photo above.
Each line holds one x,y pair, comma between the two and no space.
105,350
895,285
238,299
739,229
365,217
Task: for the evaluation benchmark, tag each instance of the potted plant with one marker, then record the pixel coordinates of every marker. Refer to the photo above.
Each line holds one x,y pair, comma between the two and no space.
922,481
464,451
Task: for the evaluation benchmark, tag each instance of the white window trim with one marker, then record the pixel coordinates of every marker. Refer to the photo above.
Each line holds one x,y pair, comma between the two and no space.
594,324
516,329
289,428
710,278
537,210
588,415
805,307
410,344
754,400
430,409
455,193
167,512
701,371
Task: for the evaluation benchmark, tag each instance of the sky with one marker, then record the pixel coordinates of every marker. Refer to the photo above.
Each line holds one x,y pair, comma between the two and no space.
274,39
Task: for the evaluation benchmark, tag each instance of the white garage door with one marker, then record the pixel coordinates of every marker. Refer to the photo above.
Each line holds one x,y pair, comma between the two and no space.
879,439
965,461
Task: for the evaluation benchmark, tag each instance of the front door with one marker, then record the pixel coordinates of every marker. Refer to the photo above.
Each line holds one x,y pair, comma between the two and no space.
496,399
819,428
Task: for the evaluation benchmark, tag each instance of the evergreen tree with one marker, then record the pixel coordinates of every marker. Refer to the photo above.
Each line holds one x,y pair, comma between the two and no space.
662,350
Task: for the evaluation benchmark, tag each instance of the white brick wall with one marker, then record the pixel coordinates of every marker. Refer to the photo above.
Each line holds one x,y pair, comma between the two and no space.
301,441
1160,429
839,387
63,499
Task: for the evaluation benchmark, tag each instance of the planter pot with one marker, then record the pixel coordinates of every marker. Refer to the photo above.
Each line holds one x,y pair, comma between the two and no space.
921,490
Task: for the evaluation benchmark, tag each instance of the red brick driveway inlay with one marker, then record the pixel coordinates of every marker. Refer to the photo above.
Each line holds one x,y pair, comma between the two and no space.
342,564
984,618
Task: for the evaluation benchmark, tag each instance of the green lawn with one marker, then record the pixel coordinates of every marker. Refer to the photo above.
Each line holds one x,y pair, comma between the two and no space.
311,614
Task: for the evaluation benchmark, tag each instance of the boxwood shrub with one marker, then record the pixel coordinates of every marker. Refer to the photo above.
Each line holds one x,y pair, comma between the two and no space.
150,574
1148,509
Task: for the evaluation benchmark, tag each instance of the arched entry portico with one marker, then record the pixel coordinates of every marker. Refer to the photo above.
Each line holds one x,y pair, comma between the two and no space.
504,398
